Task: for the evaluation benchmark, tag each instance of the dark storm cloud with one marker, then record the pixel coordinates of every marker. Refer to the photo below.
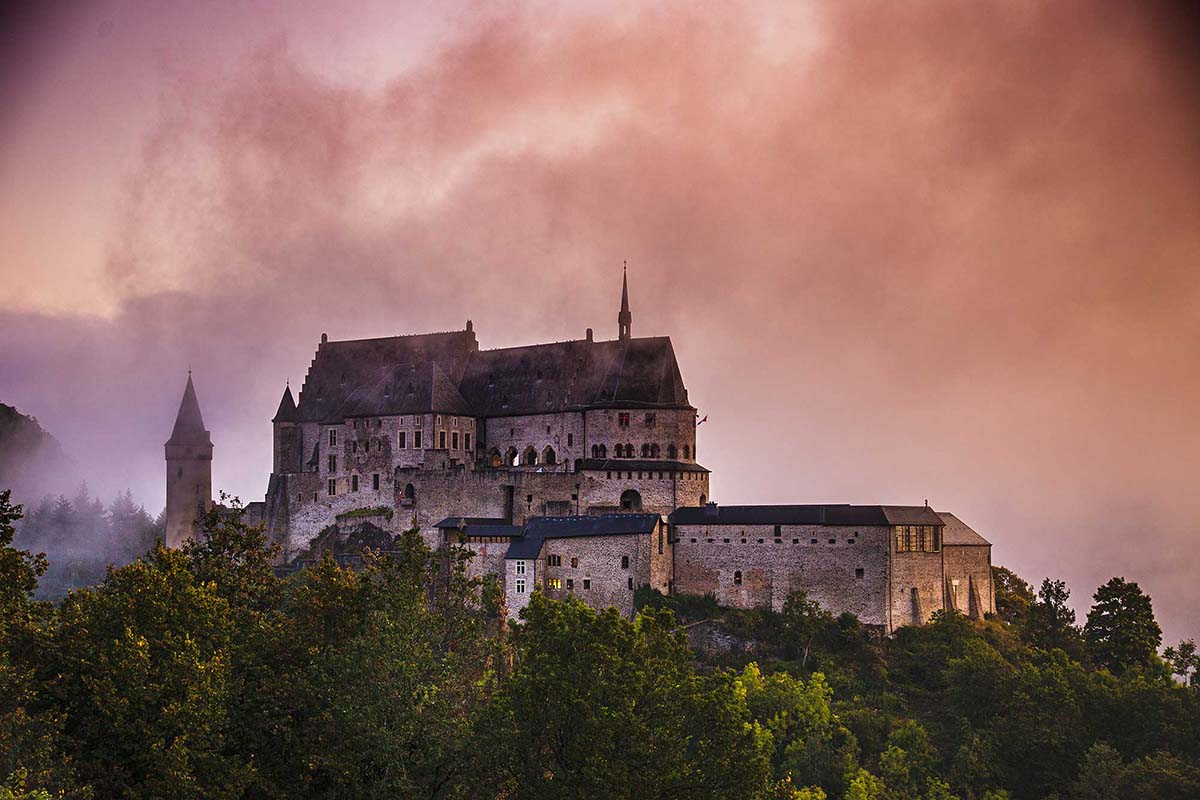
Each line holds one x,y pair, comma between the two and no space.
904,250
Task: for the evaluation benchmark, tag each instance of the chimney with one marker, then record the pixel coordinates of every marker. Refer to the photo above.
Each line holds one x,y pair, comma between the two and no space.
470,326
710,510
324,338
589,334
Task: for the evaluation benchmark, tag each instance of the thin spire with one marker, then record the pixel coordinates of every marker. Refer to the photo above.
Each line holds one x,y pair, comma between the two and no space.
287,406
624,318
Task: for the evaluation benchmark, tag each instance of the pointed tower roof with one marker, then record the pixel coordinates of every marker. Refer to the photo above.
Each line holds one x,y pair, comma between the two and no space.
624,318
287,407
189,425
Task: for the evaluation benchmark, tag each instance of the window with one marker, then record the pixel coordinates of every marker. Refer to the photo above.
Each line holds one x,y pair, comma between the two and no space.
300,497
778,531
623,419
651,420
587,583
570,439
375,482
660,540
918,538
812,541
417,439
354,447
520,568
671,451
530,457
645,451
548,456
333,463
332,437
595,451
624,562
454,440
570,584
467,442
629,583
354,483
795,541
687,451
441,440
554,583
654,451
410,493
332,487
858,573
401,440
737,578
604,451
631,500
833,541
439,420
314,497
553,561
520,586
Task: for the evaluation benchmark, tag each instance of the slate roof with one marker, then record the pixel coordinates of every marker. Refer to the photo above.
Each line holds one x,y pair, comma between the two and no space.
287,407
840,514
463,522
627,464
189,424
538,529
958,532
448,373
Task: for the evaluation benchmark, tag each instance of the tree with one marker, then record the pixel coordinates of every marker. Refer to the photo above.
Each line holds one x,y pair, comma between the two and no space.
1121,632
1050,622
1184,662
602,706
1014,596
802,620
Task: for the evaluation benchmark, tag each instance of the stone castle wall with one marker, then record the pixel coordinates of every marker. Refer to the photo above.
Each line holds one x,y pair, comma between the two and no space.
772,565
971,566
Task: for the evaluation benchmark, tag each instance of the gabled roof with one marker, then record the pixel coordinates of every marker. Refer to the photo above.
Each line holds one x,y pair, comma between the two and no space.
840,514
958,532
447,373
538,529
189,424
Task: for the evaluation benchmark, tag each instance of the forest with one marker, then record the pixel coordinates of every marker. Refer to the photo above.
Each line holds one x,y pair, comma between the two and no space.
198,673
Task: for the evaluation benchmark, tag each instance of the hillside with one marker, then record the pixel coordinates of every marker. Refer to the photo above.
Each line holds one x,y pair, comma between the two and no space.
32,462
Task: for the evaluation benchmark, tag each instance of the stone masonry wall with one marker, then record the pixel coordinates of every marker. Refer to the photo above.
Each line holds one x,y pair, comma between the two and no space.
707,558
971,566
563,432
597,560
920,571
671,426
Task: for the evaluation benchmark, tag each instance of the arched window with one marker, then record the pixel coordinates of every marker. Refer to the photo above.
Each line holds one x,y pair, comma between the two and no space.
672,453
654,451
494,457
645,451
510,457
628,450
618,451
595,451
604,451
687,451
548,456
529,457
631,500
410,492
703,500
737,577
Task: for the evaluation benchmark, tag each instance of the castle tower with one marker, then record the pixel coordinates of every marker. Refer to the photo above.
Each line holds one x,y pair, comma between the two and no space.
287,435
624,319
189,469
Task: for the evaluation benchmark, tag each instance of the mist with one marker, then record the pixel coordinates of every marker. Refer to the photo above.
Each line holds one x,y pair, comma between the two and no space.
904,251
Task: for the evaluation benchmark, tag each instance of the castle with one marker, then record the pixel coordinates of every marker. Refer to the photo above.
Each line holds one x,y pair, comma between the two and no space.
571,468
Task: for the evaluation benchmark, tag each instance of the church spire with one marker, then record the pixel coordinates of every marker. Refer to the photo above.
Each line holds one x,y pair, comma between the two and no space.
624,318
287,407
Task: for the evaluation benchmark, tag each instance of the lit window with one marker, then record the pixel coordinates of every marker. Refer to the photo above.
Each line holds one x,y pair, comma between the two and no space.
554,583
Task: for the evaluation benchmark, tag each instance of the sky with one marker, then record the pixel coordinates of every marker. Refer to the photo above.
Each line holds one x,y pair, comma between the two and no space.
908,251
